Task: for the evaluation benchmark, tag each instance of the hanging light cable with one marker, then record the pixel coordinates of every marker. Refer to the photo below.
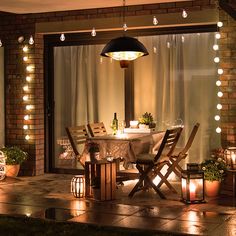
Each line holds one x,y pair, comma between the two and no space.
124,49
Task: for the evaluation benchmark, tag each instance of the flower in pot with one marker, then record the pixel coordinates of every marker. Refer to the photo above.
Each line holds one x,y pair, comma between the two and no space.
214,172
93,149
146,120
14,158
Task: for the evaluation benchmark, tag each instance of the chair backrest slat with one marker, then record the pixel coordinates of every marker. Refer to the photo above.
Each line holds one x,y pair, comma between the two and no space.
77,135
191,138
97,129
169,142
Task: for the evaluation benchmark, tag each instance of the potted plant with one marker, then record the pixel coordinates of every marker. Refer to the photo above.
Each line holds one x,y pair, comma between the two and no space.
146,120
15,156
214,172
94,151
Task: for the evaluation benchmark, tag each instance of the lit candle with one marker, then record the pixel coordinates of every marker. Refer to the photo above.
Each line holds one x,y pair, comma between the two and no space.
184,187
192,189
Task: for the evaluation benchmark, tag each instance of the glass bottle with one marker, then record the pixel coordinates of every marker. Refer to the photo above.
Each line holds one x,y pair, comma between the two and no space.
114,124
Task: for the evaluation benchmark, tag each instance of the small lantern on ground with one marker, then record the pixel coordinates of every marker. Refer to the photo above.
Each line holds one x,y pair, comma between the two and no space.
230,157
77,186
192,181
2,166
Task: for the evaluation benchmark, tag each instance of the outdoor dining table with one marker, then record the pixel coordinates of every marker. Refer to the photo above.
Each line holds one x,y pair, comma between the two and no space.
125,146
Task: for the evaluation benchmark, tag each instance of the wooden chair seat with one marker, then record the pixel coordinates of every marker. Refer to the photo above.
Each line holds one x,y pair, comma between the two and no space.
149,164
97,129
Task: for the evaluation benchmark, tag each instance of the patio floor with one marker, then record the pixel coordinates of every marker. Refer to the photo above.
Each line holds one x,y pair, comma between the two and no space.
49,197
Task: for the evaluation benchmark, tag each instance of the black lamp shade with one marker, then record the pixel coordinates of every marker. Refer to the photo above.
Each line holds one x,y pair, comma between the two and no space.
124,49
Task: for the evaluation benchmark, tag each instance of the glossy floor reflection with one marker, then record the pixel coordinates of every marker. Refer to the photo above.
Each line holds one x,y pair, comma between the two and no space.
49,197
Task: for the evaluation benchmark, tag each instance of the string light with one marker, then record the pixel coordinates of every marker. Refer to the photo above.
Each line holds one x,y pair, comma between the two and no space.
220,94
29,107
25,97
27,137
217,117
62,37
25,48
26,88
184,14
217,36
219,106
25,127
182,39
220,71
155,50
218,83
219,24
0,43
28,78
155,21
218,130
93,33
125,27
216,47
216,59
25,58
30,68
26,117
31,40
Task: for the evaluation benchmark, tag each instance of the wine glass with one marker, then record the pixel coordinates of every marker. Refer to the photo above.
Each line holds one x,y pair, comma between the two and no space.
122,125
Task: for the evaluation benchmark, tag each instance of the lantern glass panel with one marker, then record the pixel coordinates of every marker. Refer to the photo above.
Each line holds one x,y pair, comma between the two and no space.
230,157
77,186
192,186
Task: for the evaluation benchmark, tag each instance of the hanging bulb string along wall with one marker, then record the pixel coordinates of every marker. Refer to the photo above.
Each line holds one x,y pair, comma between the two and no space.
220,72
29,69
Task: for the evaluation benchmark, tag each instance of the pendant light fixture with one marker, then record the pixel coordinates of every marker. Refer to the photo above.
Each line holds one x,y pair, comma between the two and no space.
124,49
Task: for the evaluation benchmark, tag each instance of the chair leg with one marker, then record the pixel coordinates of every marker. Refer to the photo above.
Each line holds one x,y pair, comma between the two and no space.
145,179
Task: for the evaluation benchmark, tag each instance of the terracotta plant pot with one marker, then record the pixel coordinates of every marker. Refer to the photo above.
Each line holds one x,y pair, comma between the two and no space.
212,188
12,170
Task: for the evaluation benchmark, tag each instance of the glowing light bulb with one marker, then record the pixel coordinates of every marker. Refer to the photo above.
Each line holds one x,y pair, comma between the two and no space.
184,14
62,37
29,107
125,27
220,71
217,117
218,130
25,58
155,50
217,36
93,33
31,40
216,47
26,88
25,48
219,24
25,127
26,98
29,68
155,21
182,39
0,43
101,60
220,94
219,106
27,137
26,117
28,78
218,83
216,59
168,44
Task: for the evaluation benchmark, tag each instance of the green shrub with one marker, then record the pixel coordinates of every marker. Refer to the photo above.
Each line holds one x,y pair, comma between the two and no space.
14,155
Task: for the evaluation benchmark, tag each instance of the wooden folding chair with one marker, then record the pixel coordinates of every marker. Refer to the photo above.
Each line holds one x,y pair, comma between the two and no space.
178,155
77,136
146,163
97,129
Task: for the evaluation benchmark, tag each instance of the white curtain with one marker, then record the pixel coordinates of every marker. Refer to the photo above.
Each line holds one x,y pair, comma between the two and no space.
177,81
87,88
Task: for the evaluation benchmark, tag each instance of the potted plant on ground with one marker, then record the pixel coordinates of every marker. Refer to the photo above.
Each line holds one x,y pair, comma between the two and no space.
214,172
146,121
94,151
15,156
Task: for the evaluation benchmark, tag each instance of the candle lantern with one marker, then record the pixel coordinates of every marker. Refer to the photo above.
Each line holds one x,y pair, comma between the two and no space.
77,186
2,166
230,157
192,181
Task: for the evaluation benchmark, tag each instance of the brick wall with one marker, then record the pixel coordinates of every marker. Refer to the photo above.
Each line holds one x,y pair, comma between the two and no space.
12,26
228,64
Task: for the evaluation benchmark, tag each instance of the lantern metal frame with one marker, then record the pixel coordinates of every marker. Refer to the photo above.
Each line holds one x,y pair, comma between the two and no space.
190,177
230,157
78,186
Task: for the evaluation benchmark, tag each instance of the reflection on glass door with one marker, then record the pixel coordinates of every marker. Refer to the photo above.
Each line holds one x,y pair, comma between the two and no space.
87,89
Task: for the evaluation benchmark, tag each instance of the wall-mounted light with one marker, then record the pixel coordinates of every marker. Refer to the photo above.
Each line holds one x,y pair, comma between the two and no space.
31,40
